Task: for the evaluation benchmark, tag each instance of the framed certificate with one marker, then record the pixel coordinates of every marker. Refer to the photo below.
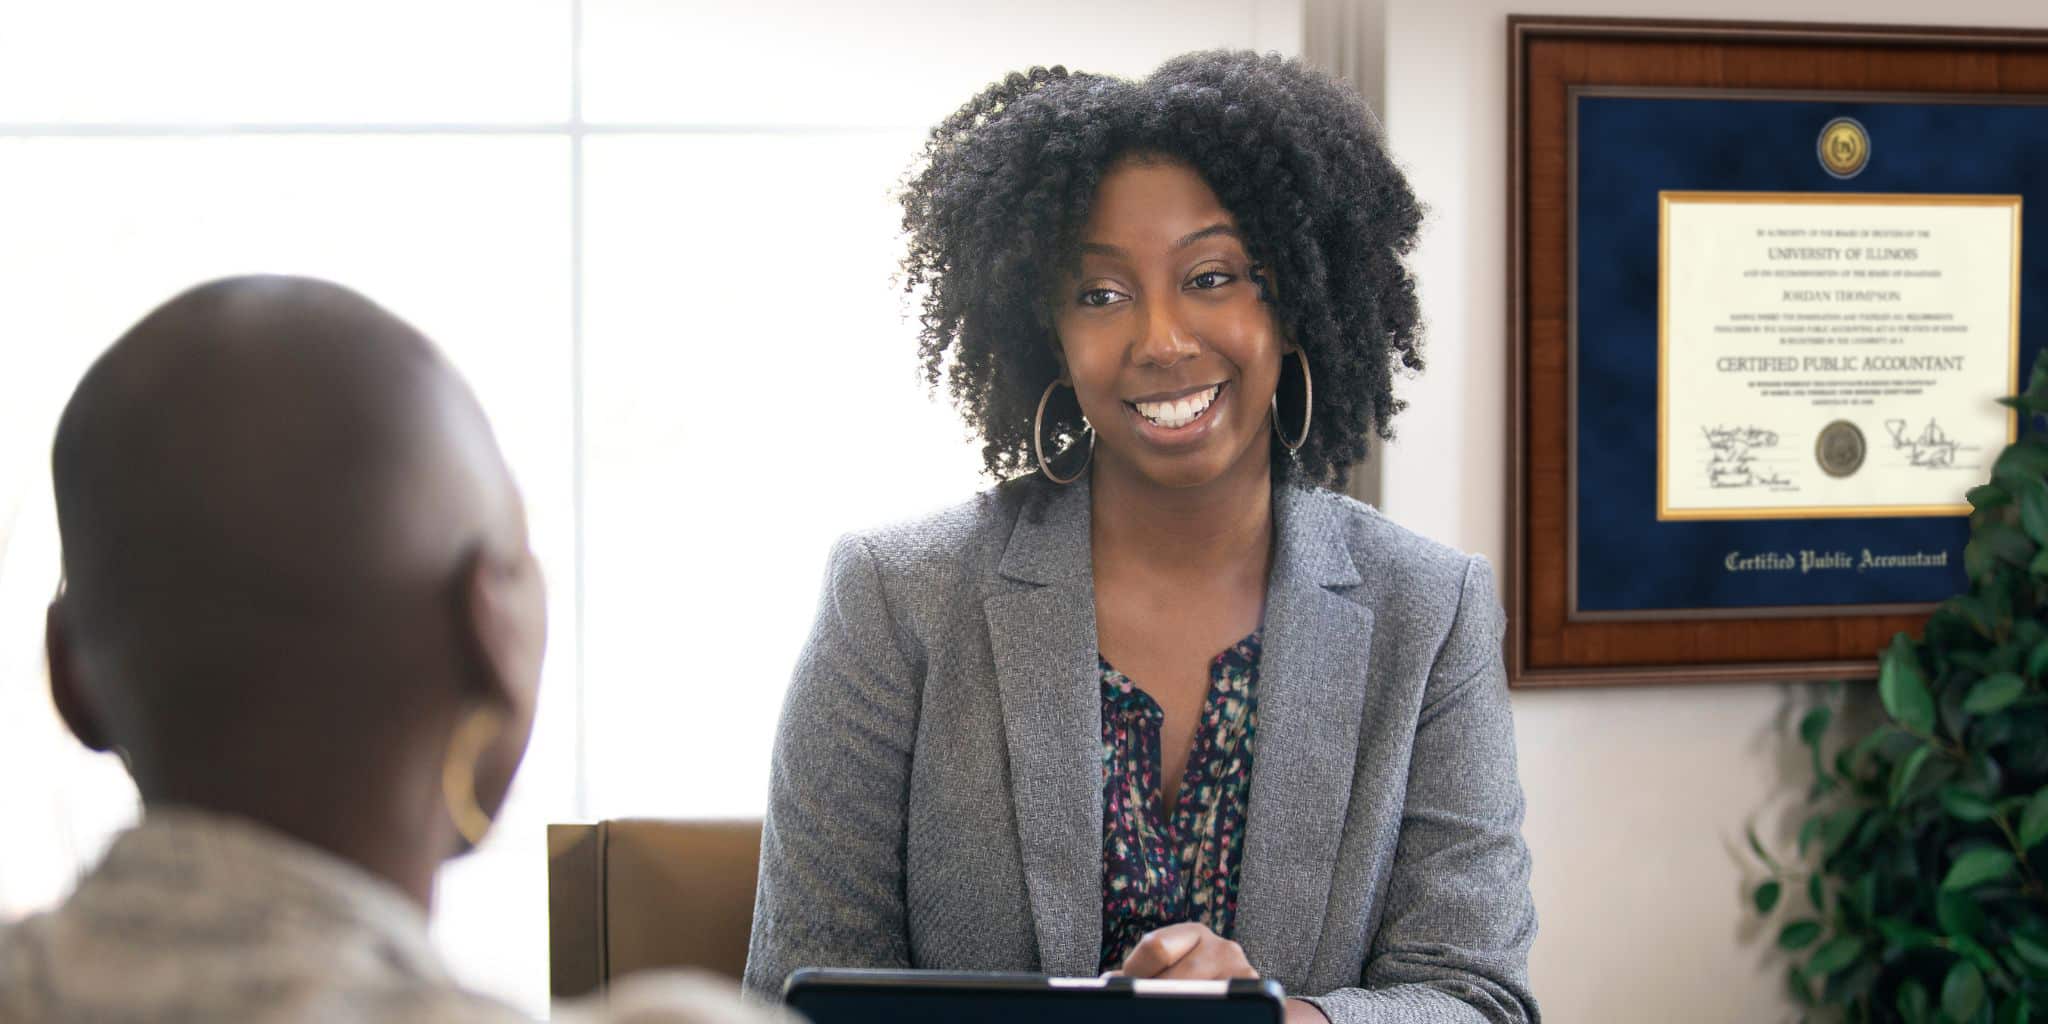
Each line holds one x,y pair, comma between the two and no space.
1769,282
1790,324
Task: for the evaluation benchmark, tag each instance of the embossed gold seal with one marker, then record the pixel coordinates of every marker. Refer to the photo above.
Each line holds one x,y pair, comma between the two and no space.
1840,449
1844,147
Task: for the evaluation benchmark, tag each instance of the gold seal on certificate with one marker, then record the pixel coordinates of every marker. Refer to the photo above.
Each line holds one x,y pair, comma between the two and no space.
1839,449
1844,147
1830,355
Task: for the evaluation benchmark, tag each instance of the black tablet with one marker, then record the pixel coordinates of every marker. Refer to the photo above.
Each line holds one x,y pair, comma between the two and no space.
928,997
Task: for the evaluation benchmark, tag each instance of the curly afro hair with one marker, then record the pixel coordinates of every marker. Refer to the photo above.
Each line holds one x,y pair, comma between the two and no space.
994,208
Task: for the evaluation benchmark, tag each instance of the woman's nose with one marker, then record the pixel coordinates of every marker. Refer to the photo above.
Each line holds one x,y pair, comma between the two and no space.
1164,339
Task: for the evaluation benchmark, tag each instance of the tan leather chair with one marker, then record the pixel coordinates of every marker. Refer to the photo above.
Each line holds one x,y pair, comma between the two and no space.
631,894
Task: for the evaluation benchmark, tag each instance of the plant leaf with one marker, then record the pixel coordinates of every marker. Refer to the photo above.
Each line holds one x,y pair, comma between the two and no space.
1799,934
1815,725
1975,952
1756,846
1965,805
1906,936
2037,659
1976,565
2034,822
1985,496
1902,776
1839,952
1903,689
1959,914
1816,893
1994,693
2026,633
1795,983
1808,832
2034,509
2033,949
1847,761
2006,544
1977,867
1962,994
1967,608
1767,896
2010,961
1986,770
2021,462
1912,1002
1837,829
1849,986
1823,784
2014,1011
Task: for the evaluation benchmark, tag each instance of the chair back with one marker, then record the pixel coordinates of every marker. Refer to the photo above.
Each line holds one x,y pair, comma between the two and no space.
633,893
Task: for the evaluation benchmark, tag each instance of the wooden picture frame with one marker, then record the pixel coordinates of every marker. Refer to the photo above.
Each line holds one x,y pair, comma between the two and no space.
1552,640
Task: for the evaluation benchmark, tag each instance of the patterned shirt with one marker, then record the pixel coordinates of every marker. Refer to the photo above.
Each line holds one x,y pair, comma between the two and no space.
1159,869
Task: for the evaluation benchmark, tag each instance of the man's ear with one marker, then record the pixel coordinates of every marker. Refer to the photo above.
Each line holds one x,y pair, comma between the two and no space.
67,690
506,605
505,617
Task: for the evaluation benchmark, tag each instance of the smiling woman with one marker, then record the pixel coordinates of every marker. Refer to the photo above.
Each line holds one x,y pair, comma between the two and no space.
1166,707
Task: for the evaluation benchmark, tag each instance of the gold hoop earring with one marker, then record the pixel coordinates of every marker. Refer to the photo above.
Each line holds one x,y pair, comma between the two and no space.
1038,445
466,746
1308,397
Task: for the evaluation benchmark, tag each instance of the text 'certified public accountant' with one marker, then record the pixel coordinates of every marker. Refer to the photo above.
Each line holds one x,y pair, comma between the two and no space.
1828,355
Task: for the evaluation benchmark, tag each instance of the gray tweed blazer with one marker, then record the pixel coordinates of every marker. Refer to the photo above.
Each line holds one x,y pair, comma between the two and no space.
936,794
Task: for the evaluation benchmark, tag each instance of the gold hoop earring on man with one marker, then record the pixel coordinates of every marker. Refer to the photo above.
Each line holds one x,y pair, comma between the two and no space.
466,746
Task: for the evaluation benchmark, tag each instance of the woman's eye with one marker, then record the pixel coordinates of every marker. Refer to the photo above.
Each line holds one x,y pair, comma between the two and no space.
1211,279
1098,297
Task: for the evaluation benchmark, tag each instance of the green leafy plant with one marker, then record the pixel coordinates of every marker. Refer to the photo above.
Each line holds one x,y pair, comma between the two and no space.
1923,857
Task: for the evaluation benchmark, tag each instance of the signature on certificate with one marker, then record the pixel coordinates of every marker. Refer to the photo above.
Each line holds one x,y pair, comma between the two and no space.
1730,462
1931,448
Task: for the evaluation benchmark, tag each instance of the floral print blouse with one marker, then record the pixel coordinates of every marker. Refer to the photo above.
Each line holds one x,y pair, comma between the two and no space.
1159,869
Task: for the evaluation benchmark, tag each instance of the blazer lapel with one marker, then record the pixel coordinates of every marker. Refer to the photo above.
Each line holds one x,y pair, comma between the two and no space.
1042,632
1311,696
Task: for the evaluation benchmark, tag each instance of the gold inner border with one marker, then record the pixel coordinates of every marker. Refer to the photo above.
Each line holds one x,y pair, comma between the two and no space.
1665,199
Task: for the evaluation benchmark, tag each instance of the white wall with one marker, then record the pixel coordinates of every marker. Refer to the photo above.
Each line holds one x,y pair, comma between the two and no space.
1637,797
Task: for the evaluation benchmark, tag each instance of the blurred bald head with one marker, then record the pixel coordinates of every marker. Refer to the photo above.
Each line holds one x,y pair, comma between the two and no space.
274,498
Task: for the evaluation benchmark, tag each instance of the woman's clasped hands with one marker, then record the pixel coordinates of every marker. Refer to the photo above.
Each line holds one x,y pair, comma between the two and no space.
1190,951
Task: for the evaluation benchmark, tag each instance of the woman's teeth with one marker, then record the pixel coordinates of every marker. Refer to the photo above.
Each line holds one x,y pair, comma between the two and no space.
1181,411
